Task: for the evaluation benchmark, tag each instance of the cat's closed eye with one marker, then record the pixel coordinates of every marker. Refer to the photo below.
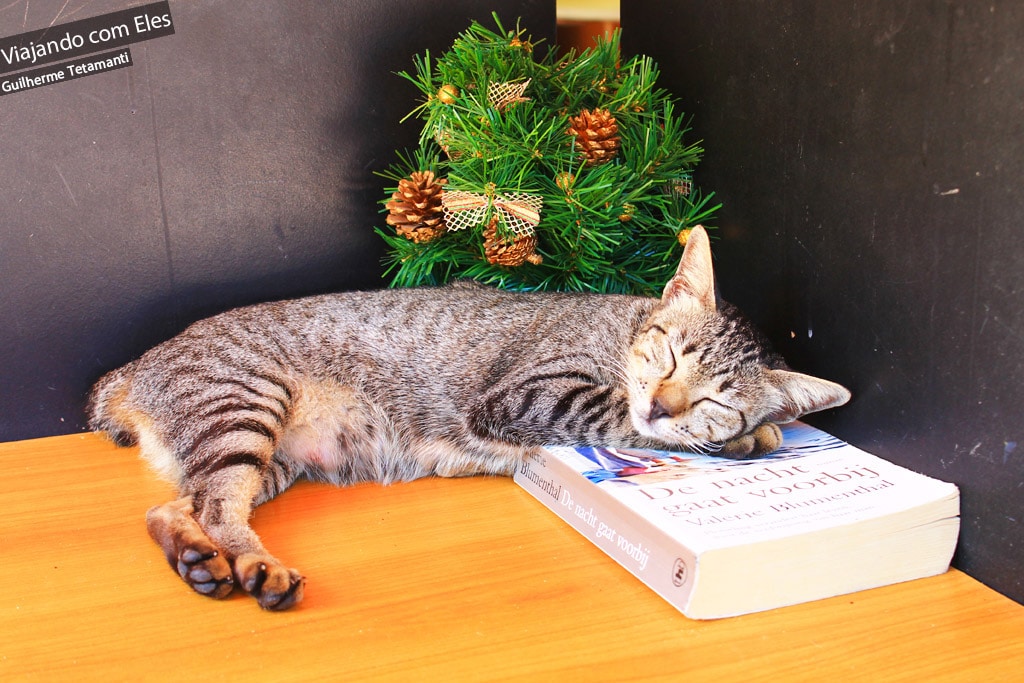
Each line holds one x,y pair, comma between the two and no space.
658,354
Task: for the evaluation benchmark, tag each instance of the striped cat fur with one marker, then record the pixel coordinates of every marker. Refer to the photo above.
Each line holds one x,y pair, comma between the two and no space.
397,384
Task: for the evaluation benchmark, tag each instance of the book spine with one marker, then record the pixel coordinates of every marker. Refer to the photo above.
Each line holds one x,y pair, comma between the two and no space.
664,565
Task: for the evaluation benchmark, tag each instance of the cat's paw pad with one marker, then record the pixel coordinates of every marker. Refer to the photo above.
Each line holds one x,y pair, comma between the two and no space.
273,585
205,570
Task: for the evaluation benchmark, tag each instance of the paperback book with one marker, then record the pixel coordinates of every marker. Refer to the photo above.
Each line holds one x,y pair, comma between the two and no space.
718,537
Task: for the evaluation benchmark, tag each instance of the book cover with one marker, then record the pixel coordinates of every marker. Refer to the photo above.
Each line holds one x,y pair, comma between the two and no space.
718,537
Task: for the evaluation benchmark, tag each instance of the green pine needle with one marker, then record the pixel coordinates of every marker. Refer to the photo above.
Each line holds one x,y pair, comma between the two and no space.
612,227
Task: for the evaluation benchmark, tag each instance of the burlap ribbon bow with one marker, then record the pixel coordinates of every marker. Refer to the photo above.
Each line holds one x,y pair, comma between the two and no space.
502,95
519,211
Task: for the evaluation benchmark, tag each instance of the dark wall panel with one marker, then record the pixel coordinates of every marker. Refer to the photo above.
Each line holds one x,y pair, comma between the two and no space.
870,157
233,162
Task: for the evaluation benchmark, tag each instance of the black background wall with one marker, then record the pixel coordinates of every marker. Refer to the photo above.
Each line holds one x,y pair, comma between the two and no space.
232,163
870,157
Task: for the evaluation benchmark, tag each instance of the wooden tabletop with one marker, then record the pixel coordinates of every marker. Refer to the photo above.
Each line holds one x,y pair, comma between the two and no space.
454,580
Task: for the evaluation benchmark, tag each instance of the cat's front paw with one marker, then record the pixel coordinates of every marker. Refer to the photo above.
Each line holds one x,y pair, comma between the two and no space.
763,440
274,586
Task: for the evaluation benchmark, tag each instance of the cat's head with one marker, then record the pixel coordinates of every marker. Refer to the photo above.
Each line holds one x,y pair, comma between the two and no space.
700,374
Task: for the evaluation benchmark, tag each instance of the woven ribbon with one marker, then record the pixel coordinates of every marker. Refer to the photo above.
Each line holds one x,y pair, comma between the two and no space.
519,211
501,95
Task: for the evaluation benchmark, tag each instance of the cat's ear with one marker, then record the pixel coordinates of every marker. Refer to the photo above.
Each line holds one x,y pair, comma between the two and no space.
802,394
694,280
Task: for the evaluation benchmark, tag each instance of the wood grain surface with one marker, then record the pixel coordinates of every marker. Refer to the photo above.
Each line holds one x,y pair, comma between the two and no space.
455,580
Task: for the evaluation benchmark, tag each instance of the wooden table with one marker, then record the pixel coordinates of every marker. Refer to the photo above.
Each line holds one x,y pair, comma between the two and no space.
454,580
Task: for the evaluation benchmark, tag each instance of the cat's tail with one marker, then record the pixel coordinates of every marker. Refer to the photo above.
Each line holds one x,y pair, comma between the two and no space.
106,406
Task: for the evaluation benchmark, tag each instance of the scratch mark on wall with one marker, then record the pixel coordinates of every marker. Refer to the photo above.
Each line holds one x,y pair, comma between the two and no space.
168,251
77,9
16,2
59,12
984,322
66,186
1015,333
895,28
976,283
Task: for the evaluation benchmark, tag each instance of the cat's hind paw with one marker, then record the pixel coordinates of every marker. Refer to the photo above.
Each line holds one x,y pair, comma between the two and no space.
188,550
274,586
206,571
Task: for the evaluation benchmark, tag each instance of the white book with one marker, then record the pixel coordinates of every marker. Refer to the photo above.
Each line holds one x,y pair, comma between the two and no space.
718,537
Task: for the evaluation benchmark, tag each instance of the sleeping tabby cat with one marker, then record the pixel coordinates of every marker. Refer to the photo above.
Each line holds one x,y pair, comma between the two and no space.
398,384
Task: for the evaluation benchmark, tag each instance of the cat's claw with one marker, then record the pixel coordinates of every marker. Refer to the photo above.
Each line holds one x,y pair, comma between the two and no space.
274,586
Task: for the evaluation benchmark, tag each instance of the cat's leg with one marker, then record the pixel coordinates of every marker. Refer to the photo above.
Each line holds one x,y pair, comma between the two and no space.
207,538
471,456
223,513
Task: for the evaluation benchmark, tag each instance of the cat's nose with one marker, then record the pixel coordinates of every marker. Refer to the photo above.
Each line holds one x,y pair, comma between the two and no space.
658,410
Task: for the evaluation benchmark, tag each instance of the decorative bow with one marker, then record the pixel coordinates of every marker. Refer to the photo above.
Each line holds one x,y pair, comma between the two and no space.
502,95
519,211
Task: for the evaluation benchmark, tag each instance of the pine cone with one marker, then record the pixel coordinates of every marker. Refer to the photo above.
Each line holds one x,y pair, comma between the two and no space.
597,135
514,250
415,208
